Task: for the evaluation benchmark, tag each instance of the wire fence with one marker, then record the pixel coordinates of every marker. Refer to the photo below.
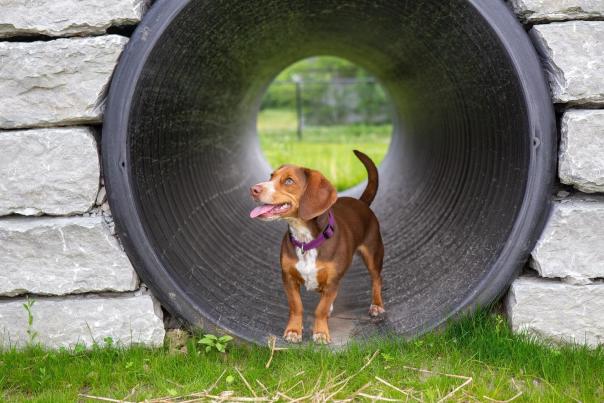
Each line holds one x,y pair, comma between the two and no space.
338,101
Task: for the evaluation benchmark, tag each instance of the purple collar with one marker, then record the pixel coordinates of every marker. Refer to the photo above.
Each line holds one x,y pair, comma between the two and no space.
318,241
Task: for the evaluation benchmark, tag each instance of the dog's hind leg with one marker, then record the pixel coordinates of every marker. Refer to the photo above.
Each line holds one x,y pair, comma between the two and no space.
372,253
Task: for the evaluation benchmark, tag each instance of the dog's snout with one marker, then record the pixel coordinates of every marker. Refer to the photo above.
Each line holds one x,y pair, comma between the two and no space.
256,190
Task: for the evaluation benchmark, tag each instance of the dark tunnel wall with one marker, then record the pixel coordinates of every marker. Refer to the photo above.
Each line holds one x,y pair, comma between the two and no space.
464,187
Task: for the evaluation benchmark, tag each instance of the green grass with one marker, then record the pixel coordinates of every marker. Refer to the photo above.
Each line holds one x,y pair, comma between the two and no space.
327,149
501,365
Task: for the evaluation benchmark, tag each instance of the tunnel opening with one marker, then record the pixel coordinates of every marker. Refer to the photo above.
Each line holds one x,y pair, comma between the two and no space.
465,186
317,111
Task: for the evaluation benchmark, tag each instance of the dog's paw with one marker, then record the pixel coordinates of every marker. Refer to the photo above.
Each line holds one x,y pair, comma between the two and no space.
292,336
376,310
321,338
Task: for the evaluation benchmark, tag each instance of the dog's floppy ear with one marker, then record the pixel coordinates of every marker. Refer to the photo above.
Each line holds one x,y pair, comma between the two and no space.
318,196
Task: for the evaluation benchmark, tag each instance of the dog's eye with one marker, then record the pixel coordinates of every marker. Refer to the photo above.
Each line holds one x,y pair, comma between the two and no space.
289,181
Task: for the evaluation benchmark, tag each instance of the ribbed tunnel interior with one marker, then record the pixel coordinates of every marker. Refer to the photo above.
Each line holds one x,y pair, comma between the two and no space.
464,186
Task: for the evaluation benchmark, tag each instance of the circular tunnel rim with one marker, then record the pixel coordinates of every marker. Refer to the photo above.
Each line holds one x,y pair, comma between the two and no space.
526,230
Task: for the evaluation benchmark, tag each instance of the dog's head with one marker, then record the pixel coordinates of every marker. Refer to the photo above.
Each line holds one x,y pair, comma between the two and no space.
293,192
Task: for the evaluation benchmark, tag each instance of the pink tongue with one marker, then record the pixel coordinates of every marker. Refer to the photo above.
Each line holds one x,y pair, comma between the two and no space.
265,208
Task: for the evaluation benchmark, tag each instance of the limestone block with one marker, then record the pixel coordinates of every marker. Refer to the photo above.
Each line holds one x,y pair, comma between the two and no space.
61,256
581,161
573,313
573,56
48,171
557,10
127,319
57,82
571,246
66,17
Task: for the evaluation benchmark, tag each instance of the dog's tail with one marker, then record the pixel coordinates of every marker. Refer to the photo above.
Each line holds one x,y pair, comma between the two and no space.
372,178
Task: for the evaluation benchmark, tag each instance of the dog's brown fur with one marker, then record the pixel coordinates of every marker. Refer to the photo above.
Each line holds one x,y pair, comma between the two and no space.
356,230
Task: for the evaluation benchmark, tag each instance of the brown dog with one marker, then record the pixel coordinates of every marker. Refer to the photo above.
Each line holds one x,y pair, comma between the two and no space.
324,233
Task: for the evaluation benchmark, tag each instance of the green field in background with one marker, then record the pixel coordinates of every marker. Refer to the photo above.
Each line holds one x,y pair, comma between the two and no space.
327,148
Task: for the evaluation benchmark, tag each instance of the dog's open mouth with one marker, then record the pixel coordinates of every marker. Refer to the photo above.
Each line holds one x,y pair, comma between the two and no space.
270,210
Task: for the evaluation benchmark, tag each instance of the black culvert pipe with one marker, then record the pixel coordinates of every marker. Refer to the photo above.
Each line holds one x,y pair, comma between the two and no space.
465,186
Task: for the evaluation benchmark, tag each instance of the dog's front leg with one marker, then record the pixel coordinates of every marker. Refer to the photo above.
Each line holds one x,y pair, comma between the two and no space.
321,329
293,331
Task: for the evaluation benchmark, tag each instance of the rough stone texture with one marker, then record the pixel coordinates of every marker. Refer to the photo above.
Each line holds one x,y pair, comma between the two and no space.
61,256
571,246
57,82
557,10
51,171
65,322
581,161
556,310
66,17
573,56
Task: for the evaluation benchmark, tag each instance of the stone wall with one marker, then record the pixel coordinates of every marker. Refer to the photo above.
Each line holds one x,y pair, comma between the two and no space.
56,240
563,296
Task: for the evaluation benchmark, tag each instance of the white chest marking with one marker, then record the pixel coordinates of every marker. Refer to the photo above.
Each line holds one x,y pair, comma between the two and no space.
307,267
307,261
